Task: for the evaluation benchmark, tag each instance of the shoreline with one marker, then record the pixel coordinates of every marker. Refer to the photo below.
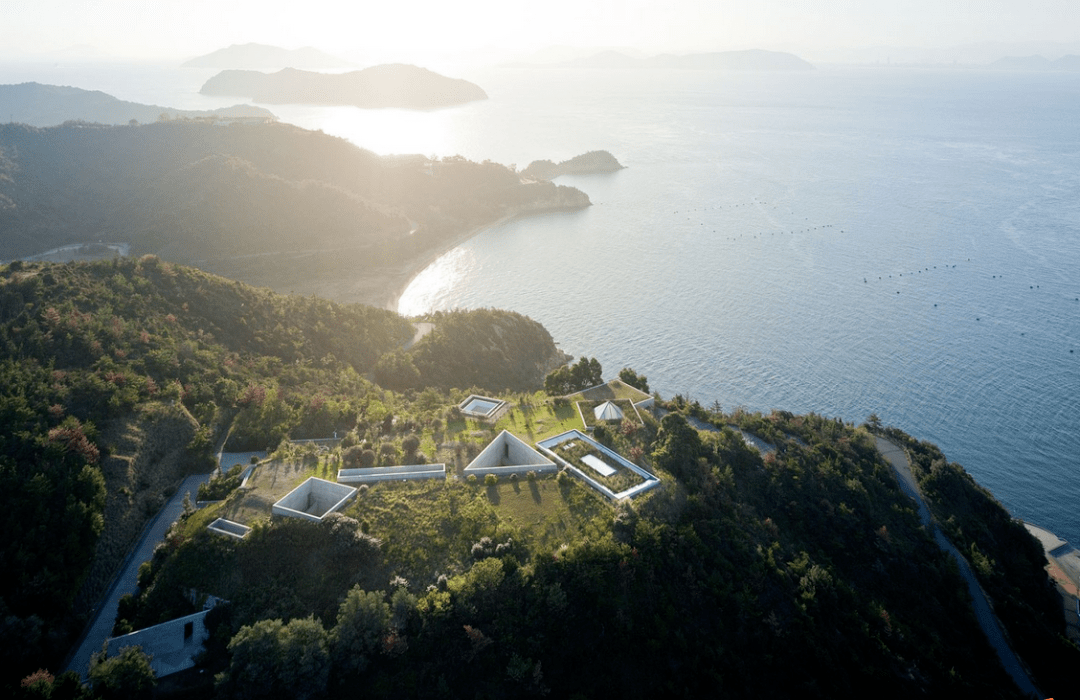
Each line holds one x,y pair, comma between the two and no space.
411,269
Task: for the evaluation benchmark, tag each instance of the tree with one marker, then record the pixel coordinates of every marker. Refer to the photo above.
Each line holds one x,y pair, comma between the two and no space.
410,443
638,381
126,675
362,622
271,659
395,370
586,372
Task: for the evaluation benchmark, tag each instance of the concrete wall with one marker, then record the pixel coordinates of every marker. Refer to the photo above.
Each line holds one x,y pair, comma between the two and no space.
406,471
221,526
650,479
173,644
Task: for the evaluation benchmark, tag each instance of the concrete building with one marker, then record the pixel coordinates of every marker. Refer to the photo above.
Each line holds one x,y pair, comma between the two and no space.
508,454
172,645
313,499
402,472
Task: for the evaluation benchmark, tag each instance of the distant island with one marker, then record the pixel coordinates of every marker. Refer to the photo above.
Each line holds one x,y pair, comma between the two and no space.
1037,63
749,60
48,105
265,57
585,164
392,85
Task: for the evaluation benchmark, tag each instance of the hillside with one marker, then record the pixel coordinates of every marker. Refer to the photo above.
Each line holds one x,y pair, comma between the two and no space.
118,377
267,203
49,105
802,570
388,86
799,572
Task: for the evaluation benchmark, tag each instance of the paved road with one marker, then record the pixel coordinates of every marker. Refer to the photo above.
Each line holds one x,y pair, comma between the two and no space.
991,626
127,581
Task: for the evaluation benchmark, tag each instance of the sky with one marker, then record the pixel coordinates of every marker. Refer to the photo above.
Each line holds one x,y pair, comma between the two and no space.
170,29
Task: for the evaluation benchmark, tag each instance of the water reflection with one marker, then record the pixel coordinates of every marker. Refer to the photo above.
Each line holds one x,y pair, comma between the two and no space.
430,289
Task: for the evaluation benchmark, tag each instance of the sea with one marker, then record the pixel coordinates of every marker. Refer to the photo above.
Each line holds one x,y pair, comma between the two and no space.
848,241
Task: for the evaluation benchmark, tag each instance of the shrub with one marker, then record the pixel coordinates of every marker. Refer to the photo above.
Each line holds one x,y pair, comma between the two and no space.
530,475
490,480
471,478
514,477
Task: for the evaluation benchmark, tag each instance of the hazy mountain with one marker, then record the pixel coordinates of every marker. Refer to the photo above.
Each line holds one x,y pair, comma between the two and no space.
393,85
48,105
976,54
753,59
1037,63
1071,62
268,58
1022,63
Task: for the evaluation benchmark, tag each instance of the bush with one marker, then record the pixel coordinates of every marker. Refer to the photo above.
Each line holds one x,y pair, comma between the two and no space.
530,475
514,477
221,485
471,478
490,480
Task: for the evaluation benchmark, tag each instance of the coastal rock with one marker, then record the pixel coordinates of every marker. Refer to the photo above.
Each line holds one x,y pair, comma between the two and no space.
586,163
393,85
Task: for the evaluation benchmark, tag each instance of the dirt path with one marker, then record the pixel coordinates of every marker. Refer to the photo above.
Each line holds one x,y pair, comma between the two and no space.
989,622
422,329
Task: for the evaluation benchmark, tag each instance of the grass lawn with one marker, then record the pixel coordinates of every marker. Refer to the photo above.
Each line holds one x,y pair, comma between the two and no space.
267,485
545,513
540,421
614,389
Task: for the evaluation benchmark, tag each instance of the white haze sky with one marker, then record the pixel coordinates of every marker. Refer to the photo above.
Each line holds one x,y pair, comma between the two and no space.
173,29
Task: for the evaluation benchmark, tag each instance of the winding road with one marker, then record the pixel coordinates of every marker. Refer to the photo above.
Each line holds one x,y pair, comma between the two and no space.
991,626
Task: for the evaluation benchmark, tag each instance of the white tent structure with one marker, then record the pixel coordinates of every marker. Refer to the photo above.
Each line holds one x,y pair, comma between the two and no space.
608,411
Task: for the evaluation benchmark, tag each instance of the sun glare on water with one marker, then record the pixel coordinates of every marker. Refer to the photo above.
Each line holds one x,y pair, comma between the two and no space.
385,131
431,286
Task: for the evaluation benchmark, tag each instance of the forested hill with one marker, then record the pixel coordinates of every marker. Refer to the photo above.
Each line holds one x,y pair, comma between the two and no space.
224,194
118,377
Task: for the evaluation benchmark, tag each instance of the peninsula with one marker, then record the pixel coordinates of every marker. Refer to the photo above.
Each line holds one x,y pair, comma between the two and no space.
48,105
392,85
267,203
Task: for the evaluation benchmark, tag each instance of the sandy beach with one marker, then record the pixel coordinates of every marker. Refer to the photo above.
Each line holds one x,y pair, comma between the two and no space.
399,282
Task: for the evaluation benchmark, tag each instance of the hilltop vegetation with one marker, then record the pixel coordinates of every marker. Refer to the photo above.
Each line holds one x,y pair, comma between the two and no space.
800,573
803,571
119,377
